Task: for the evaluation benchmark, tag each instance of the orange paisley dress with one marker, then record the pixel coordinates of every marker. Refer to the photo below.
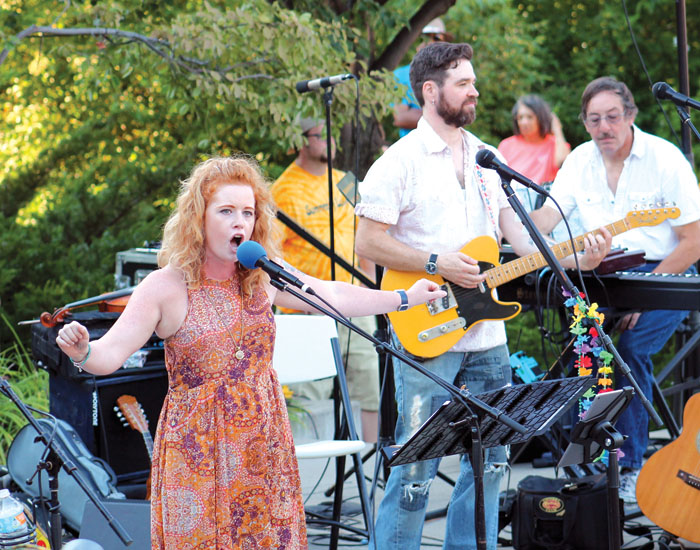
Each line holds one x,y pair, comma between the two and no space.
224,472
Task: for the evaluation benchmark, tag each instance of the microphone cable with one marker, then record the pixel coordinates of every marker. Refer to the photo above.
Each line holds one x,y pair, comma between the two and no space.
646,73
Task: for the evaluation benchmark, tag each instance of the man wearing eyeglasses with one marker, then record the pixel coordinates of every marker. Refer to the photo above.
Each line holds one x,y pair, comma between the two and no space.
624,169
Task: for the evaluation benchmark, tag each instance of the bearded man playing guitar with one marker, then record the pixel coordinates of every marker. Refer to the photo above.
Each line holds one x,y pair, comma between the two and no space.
421,202
620,168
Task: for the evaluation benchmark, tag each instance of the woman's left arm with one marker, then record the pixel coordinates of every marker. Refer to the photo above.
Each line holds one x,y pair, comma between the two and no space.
356,301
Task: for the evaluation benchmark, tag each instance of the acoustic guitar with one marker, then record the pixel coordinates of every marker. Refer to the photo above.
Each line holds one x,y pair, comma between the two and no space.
428,330
131,413
668,486
133,416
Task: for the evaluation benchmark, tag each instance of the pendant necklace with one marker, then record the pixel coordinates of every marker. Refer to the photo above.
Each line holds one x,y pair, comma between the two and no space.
240,354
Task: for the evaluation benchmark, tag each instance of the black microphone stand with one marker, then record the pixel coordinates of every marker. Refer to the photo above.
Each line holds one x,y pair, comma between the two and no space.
461,395
327,102
685,120
569,286
613,475
56,460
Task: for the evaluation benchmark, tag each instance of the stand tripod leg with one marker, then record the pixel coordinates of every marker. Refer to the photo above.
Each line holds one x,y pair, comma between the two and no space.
665,411
477,459
613,477
337,502
328,492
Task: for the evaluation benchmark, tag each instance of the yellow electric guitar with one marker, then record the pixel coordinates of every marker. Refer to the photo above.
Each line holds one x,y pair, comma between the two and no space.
427,330
668,486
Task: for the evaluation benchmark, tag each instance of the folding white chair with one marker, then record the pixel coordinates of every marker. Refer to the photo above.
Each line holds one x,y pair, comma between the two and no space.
306,349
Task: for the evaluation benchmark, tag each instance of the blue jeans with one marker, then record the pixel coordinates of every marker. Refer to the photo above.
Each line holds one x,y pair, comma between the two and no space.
401,513
636,346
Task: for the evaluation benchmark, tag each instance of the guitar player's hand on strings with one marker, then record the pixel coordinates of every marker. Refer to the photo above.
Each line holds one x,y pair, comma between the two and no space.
596,247
460,269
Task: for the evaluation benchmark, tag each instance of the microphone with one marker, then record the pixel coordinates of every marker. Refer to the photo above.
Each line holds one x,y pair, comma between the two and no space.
661,90
325,82
251,255
487,159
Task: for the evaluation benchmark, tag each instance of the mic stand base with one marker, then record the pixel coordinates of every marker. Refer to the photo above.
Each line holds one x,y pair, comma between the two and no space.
57,460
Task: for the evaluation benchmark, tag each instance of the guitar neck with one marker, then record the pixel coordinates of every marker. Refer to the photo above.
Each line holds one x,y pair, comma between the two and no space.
148,440
521,266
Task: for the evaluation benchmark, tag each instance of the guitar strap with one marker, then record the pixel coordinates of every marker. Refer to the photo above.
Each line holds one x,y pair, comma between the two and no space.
487,199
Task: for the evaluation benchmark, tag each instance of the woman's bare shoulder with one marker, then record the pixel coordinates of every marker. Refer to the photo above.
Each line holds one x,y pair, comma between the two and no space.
166,279
166,290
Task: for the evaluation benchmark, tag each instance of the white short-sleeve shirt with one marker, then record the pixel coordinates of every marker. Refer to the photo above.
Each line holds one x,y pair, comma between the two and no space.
654,174
413,188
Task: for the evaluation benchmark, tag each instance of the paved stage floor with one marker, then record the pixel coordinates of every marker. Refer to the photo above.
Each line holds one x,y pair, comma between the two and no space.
314,487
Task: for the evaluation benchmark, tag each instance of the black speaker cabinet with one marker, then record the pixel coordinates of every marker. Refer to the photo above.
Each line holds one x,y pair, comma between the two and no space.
88,406
133,515
87,402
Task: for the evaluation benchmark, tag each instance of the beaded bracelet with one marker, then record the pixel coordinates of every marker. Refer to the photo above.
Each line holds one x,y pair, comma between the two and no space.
79,364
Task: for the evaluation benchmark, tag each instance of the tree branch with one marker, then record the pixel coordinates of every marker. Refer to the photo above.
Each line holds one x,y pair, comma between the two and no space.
397,48
160,47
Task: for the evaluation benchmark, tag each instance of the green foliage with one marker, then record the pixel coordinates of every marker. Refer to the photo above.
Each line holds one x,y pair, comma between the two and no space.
585,40
507,60
98,130
29,384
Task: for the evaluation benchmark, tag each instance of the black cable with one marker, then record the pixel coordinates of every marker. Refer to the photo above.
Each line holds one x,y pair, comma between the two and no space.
318,481
646,72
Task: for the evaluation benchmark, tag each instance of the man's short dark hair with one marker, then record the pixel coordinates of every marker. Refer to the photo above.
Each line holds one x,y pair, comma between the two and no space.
432,63
538,106
608,84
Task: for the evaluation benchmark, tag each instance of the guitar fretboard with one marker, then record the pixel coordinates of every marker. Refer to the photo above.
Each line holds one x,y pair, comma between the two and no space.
148,440
516,268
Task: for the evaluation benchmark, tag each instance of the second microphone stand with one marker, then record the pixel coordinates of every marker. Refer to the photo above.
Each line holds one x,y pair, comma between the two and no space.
568,285
57,459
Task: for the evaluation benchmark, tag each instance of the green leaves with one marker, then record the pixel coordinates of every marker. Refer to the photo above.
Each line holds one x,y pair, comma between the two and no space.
98,129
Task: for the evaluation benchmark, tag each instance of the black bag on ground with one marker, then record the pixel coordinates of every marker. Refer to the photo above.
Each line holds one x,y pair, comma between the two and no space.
26,452
561,514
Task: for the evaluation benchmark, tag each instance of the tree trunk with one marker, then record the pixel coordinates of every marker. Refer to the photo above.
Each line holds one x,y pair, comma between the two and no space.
369,141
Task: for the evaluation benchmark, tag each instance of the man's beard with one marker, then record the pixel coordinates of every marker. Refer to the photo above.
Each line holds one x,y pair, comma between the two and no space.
455,117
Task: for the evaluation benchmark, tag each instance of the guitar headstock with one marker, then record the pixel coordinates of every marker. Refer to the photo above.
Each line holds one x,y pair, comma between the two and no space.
132,412
652,216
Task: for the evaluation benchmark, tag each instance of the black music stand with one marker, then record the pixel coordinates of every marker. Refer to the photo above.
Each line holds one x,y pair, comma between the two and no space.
455,429
594,434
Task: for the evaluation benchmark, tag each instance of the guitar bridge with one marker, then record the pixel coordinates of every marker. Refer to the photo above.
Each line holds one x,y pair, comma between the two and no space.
689,479
441,330
443,304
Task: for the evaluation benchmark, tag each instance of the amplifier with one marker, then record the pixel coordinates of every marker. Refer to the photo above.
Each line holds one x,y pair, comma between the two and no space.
132,265
87,402
48,356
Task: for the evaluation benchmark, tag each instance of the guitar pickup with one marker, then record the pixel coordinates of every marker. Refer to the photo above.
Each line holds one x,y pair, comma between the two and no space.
442,304
440,330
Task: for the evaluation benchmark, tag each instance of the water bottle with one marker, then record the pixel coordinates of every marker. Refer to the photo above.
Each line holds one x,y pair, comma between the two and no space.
14,526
